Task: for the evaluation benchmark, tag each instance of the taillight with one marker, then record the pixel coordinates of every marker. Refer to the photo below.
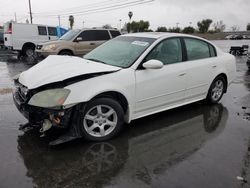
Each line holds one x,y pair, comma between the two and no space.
10,28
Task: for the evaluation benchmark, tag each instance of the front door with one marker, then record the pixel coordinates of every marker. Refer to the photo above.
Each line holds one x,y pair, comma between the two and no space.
90,39
158,89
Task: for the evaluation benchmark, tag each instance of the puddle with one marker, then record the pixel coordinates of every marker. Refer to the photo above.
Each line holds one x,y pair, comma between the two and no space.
5,91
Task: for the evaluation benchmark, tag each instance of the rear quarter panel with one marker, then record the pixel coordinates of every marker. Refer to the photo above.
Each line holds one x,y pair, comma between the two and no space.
22,33
229,63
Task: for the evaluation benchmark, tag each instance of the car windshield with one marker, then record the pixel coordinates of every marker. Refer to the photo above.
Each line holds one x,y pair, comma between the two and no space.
70,35
122,51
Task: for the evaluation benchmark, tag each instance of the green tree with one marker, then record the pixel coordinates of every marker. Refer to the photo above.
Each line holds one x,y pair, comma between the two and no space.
188,30
174,30
248,27
161,29
140,26
204,25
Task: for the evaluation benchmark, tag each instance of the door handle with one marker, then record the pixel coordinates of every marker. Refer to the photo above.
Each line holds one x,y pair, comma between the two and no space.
214,66
182,74
92,43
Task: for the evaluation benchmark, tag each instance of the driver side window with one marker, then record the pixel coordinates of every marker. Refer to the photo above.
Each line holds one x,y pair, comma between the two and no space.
167,51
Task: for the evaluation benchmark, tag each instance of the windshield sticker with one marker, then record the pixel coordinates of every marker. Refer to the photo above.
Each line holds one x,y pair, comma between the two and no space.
140,43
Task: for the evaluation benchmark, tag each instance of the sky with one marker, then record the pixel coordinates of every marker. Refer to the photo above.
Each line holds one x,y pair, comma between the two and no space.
96,13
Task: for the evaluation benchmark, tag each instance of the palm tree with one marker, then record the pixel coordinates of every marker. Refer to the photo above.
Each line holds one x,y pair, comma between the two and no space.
71,21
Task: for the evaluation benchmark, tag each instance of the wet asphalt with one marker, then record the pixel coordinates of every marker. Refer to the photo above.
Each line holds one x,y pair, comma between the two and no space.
197,145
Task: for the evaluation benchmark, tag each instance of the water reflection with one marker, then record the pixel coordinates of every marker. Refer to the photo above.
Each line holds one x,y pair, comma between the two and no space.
148,147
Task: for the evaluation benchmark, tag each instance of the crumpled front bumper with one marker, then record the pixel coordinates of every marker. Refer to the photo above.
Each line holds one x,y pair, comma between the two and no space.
36,115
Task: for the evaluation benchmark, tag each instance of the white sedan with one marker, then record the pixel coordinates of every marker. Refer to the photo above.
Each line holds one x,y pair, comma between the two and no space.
127,78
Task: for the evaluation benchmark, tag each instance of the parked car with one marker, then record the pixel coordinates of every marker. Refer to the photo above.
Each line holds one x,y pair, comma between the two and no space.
77,42
1,39
24,37
124,79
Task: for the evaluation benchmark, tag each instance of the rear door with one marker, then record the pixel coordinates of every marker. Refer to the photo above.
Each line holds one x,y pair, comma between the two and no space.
8,34
89,39
202,65
42,34
52,31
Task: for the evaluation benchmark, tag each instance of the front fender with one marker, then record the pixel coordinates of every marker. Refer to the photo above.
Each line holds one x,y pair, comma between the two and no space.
122,82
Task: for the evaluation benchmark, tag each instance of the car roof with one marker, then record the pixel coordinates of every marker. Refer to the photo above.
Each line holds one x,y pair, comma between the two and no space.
157,35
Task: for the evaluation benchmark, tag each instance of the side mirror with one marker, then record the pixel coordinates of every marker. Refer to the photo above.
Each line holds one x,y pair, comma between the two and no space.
153,64
78,39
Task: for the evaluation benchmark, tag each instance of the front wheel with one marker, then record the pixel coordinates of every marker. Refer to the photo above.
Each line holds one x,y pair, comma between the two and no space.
102,119
216,90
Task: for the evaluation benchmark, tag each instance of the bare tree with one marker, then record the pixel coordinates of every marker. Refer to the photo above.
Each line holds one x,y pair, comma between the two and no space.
235,28
219,26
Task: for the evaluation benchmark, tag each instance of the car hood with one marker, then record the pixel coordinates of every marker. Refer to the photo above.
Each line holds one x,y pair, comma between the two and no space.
59,68
54,42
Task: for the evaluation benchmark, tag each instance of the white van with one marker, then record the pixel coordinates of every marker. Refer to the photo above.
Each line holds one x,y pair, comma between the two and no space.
24,37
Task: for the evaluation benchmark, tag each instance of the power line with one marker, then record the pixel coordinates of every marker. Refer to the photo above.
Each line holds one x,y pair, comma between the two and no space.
103,9
97,4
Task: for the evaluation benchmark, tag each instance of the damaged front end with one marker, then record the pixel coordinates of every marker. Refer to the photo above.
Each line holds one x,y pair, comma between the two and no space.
44,110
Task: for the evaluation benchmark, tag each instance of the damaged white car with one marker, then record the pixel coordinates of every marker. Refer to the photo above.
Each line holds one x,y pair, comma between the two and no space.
129,77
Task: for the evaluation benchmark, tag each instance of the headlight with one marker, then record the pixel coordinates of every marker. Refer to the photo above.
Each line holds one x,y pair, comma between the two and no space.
49,98
49,47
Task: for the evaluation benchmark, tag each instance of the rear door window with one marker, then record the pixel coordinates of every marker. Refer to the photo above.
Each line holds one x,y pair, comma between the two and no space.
212,51
42,30
94,35
196,49
114,33
52,31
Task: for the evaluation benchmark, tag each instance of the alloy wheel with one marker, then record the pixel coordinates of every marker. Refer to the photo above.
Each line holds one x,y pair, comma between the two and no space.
217,90
100,120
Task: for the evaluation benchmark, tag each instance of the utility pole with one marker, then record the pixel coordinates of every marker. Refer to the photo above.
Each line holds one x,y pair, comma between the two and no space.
15,18
177,24
120,24
30,13
130,14
59,20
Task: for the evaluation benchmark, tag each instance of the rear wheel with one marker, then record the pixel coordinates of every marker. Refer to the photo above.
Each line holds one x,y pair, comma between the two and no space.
66,52
102,119
29,51
216,90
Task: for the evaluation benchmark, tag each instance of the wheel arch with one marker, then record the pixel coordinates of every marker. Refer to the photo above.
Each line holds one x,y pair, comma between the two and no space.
67,50
119,97
27,44
224,77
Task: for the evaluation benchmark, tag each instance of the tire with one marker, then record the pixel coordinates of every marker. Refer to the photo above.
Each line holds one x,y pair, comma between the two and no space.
66,52
103,118
29,51
216,90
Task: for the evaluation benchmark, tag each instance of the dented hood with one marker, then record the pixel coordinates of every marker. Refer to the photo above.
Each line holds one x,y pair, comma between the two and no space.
59,68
